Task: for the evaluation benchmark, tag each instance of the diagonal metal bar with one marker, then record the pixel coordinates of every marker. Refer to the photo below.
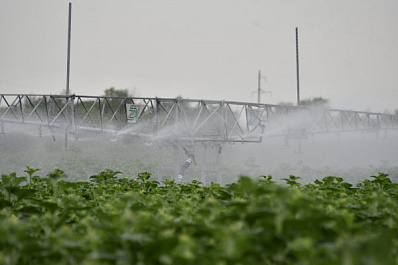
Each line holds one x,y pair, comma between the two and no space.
9,108
204,122
168,115
201,106
35,109
21,107
123,102
59,114
88,111
236,124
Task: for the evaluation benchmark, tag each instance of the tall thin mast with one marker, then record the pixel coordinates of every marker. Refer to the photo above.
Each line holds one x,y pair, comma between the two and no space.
297,67
68,52
259,87
67,100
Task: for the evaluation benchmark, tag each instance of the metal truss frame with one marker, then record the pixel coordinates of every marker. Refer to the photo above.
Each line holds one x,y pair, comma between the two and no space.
188,119
184,122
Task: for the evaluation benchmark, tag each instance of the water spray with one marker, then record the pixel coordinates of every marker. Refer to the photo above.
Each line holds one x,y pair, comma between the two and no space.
183,124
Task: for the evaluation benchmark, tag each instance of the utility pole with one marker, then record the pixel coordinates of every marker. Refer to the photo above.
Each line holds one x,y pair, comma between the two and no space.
297,68
68,51
259,87
259,90
67,100
298,83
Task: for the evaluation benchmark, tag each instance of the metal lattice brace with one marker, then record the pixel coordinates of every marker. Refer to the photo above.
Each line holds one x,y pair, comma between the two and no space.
200,120
183,121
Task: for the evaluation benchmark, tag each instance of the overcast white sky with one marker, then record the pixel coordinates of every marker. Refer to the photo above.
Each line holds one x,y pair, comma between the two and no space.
207,49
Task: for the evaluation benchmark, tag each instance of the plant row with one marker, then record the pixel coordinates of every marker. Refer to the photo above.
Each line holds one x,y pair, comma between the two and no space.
112,220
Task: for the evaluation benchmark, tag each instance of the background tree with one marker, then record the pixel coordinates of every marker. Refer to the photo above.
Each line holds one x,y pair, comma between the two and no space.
315,102
112,92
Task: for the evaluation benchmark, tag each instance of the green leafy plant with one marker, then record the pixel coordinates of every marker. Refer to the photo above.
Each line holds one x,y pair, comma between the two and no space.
30,172
112,220
105,176
292,181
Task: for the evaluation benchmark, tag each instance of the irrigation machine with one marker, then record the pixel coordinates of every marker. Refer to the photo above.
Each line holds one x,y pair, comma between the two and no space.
182,127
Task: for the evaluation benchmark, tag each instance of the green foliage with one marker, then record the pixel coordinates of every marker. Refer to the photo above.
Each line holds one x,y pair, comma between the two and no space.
315,102
114,220
57,174
291,181
30,172
112,92
144,176
105,176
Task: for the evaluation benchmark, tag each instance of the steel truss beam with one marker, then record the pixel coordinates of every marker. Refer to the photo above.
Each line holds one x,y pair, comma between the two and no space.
183,123
184,119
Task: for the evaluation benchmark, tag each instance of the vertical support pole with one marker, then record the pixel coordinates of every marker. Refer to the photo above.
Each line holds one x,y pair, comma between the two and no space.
68,51
177,118
51,109
368,118
259,87
176,147
218,166
68,73
101,111
157,112
297,68
175,164
21,107
24,103
72,108
203,165
222,129
160,163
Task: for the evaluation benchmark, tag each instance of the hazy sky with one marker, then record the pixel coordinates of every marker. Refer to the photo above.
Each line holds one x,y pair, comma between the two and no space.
205,49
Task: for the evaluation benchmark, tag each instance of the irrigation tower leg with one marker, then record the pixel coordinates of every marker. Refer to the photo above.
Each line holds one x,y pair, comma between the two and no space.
160,163
203,167
175,162
218,169
189,150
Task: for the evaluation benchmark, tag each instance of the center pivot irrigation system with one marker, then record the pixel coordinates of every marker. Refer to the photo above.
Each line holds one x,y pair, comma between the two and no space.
182,124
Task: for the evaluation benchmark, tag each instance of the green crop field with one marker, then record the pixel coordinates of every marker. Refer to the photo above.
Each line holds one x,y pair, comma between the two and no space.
44,219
